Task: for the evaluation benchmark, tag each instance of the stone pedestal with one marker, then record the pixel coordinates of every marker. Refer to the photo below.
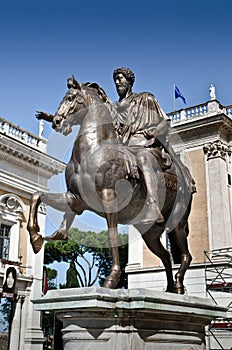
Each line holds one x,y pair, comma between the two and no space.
135,319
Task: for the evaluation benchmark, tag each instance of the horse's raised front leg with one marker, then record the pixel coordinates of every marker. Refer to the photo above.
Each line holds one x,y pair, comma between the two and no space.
32,226
59,201
109,203
152,240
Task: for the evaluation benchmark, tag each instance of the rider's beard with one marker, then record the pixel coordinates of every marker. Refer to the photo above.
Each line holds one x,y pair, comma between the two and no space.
121,90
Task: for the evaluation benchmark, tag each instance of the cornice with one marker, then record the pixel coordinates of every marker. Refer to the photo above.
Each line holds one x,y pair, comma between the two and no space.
19,185
205,121
201,131
29,158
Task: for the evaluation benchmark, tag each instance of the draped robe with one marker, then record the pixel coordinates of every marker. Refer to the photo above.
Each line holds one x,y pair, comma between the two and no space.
135,117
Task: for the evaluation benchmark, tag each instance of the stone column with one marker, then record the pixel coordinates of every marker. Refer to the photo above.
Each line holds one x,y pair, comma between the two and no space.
218,195
33,337
16,324
135,319
135,249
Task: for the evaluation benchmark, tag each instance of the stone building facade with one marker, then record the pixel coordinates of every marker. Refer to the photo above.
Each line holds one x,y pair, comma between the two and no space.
202,136
25,169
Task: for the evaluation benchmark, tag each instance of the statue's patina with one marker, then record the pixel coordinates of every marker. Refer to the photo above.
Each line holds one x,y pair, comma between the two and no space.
140,122
122,168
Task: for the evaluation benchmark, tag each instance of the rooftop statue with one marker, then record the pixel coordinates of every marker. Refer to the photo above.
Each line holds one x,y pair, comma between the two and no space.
123,168
212,92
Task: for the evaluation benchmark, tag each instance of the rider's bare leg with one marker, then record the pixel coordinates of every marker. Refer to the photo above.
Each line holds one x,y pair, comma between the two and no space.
146,163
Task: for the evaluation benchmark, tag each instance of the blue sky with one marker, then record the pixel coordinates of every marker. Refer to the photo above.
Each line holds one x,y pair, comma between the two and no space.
165,42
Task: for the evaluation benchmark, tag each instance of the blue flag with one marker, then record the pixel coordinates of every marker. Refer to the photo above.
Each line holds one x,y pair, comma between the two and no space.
179,94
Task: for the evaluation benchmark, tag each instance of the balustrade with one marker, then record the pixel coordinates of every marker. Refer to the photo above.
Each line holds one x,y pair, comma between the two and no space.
229,110
176,117
196,112
21,135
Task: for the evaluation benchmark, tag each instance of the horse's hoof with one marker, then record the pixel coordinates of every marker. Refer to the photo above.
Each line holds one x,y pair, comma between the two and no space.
57,236
179,289
37,243
170,290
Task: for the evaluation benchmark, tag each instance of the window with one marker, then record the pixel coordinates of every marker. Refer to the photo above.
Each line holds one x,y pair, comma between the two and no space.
4,241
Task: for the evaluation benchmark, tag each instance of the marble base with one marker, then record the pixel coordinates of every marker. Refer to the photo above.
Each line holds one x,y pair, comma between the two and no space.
134,319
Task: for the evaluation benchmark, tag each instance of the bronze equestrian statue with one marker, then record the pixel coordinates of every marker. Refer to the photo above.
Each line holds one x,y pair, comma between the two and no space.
122,168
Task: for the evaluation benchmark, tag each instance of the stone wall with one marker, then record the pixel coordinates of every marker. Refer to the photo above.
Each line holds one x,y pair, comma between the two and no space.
198,220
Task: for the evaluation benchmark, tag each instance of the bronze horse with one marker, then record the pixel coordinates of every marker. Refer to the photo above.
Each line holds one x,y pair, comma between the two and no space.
97,180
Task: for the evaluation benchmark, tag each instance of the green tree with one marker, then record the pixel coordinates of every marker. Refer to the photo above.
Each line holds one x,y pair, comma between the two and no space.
5,311
89,258
48,316
71,277
90,253
51,275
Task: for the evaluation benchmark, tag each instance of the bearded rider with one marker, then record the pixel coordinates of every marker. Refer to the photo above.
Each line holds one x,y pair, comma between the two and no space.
143,127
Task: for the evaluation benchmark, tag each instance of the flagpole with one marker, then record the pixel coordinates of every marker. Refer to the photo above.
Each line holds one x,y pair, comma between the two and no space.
174,100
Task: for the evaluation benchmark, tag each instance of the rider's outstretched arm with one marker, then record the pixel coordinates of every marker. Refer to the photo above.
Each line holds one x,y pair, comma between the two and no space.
45,116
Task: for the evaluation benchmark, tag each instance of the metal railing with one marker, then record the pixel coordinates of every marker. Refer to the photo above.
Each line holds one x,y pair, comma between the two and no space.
218,278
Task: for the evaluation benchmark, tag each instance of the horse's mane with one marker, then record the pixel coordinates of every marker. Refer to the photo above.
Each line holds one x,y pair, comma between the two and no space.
100,91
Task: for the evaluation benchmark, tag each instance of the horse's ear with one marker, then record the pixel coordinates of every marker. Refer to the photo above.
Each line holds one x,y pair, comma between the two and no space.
73,83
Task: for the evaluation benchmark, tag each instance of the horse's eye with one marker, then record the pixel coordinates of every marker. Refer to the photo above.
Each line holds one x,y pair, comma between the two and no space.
70,98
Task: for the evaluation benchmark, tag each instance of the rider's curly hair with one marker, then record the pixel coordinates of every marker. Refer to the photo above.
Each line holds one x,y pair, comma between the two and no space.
127,72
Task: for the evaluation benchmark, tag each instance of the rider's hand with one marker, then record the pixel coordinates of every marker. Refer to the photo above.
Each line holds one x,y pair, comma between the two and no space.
44,115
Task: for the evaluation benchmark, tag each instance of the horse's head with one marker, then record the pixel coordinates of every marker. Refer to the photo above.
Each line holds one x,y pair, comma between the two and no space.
72,105
75,103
